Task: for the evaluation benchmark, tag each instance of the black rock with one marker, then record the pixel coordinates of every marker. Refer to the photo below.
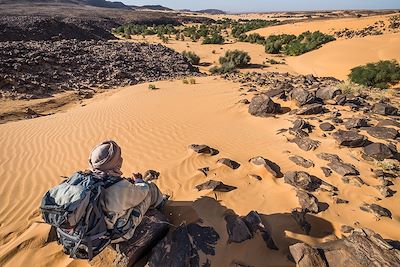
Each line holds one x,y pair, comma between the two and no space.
349,138
204,149
263,106
382,132
355,123
306,143
301,96
388,122
307,201
328,93
230,163
302,180
326,126
343,168
327,172
346,229
328,157
237,229
217,186
378,151
310,109
377,210
270,166
301,161
384,109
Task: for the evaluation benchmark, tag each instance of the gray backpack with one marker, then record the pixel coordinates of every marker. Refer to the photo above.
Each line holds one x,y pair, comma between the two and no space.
73,208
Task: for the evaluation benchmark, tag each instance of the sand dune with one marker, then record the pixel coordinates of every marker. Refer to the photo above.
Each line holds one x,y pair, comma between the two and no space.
328,26
154,129
339,57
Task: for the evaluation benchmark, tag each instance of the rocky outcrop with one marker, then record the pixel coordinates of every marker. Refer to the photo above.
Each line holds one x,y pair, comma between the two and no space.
362,248
40,68
349,138
263,106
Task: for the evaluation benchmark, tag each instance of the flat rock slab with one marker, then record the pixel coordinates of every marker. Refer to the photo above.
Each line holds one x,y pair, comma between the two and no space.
384,109
377,210
328,157
230,163
388,122
216,186
302,180
306,143
270,166
307,201
301,161
310,109
382,132
362,248
301,97
326,127
349,138
378,151
204,149
343,168
356,123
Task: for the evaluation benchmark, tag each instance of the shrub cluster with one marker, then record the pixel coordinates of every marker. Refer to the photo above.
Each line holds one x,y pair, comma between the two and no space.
291,45
231,61
141,29
191,57
241,26
253,38
214,39
379,75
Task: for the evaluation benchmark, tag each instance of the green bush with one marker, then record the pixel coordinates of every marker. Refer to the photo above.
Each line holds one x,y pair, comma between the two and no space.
191,57
380,74
231,61
242,26
291,45
214,39
152,87
253,38
306,42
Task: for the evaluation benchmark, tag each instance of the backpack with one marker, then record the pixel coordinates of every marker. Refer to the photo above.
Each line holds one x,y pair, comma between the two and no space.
73,208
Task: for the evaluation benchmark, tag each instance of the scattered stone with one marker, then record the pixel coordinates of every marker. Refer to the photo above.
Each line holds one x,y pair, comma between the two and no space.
204,170
230,163
299,215
362,248
340,201
384,109
302,180
302,124
328,157
301,97
385,190
263,106
382,132
349,138
298,132
204,149
378,151
327,127
377,210
237,229
254,176
216,186
310,109
353,180
388,122
301,161
328,93
327,172
307,201
343,168
346,229
254,224
270,166
306,143
355,123
244,101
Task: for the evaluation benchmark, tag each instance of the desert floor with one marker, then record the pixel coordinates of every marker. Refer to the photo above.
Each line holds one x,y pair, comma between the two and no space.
154,129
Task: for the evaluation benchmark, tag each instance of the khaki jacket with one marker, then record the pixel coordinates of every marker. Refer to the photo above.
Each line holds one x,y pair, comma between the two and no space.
126,203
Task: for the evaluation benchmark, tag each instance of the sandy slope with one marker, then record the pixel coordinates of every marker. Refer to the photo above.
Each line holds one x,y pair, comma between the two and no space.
328,26
339,57
154,129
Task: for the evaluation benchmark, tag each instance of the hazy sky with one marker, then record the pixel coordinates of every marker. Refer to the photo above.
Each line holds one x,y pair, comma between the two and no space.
270,5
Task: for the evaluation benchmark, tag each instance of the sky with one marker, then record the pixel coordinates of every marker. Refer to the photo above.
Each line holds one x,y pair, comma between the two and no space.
270,5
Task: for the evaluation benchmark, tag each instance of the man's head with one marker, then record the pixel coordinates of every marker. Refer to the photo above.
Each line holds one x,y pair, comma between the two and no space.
106,158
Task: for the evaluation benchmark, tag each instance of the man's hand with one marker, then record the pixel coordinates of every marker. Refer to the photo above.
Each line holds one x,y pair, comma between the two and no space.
137,177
